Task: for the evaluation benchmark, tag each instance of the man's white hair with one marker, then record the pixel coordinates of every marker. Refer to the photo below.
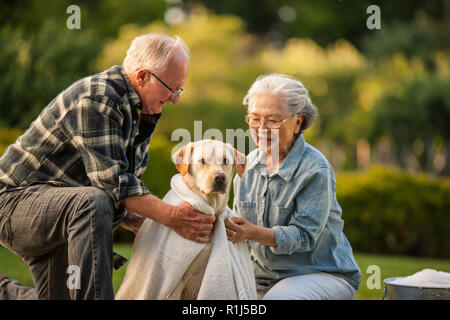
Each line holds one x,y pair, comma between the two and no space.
152,51
292,93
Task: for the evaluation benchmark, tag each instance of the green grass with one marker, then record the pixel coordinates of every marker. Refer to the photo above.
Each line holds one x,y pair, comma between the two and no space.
390,266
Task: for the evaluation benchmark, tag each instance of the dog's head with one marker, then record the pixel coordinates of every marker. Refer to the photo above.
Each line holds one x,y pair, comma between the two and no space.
208,165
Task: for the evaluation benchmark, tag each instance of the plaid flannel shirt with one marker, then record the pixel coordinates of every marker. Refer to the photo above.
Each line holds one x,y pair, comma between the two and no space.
87,136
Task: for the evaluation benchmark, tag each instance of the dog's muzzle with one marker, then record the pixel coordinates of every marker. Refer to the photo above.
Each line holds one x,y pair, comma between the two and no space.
220,182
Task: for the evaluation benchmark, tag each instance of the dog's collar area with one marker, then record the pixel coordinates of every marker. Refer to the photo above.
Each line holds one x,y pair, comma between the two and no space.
184,193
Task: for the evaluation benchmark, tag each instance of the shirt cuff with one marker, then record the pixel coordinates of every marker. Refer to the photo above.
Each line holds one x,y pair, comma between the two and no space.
287,239
129,185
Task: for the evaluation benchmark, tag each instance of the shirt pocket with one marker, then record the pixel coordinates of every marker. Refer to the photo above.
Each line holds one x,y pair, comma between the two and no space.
247,209
280,215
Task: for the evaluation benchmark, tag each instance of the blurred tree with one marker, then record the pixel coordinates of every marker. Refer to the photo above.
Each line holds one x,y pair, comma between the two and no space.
101,17
325,20
322,43
160,168
417,114
8,137
223,65
329,74
420,36
40,56
37,68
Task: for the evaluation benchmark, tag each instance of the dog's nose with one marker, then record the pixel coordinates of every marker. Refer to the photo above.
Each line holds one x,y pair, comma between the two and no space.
220,178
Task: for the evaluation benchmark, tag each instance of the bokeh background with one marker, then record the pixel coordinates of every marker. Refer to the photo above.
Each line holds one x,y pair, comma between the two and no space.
383,97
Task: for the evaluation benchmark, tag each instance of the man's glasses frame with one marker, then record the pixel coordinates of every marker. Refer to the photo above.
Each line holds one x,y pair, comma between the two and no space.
175,93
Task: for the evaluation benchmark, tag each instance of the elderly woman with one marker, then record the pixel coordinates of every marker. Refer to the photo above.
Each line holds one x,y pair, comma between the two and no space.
287,201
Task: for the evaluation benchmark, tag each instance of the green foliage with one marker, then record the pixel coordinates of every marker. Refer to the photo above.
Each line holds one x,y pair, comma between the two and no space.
418,113
420,36
420,110
390,211
37,68
353,89
327,20
160,169
100,17
8,137
41,57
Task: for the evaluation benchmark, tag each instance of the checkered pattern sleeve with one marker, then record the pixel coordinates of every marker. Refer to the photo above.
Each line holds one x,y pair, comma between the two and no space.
94,126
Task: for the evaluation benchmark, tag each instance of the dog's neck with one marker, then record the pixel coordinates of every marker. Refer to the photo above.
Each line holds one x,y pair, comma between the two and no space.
218,201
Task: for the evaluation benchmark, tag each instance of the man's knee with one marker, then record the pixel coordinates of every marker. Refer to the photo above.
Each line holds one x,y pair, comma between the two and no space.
98,205
100,199
101,203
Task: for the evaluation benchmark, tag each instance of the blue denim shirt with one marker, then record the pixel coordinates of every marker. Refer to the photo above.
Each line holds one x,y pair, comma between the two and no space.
299,202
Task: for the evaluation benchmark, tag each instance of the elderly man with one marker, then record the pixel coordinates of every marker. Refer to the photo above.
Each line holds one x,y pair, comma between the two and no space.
75,175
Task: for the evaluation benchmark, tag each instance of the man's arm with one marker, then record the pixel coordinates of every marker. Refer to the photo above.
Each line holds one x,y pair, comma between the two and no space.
183,219
95,129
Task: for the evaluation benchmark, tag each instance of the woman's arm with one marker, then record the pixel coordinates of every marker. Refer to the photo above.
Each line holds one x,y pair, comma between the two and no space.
305,225
308,220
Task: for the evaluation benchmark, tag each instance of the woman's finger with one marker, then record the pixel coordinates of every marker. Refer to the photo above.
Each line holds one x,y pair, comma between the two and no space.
238,220
232,225
232,235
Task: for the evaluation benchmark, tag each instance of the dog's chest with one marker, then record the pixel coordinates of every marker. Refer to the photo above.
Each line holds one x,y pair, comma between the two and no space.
189,285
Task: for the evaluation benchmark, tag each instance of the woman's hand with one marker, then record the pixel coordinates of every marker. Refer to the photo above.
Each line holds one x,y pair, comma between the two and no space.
238,229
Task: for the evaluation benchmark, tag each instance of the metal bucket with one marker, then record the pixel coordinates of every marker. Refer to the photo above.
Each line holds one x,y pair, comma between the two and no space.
405,292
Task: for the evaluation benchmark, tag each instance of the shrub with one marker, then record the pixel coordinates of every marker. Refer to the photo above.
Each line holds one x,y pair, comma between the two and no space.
394,212
160,168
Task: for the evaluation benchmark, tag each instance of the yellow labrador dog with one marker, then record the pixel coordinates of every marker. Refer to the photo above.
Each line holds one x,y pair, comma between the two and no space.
207,170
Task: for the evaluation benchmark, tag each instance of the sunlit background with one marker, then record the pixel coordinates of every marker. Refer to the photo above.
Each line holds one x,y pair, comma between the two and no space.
383,96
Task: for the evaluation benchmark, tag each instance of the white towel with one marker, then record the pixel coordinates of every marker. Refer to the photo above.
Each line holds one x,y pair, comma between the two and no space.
160,257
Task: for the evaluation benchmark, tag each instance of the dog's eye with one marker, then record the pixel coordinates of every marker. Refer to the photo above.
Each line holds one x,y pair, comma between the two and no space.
202,161
225,161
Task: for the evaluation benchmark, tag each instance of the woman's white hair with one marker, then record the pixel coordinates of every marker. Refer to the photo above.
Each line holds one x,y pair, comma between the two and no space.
152,51
292,94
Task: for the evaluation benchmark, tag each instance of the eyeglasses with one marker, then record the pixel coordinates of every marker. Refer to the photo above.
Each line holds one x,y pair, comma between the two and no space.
271,124
175,93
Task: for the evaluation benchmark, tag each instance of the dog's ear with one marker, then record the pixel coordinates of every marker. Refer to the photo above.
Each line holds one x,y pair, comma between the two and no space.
182,158
240,160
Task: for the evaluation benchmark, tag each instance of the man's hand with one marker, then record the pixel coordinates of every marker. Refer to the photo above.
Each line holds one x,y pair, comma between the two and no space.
190,223
183,219
132,222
